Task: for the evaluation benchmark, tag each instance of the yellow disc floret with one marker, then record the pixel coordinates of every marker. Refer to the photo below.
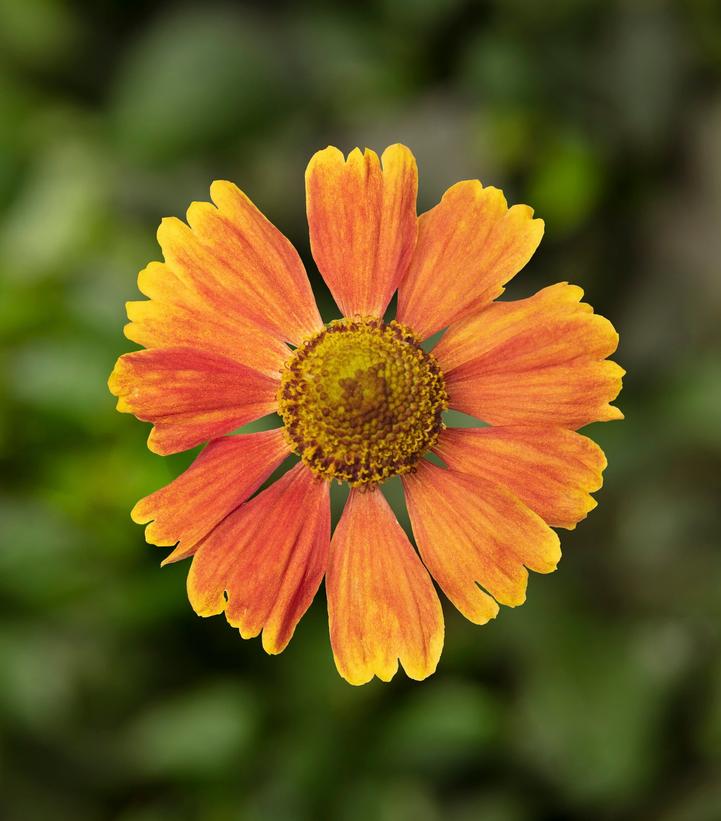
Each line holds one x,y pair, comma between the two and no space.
362,401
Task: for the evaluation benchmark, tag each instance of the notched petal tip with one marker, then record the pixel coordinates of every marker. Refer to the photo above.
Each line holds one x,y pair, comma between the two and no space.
234,263
386,675
469,246
356,679
198,212
271,645
118,384
206,602
262,590
477,539
382,606
223,476
140,513
366,155
398,153
116,375
416,669
535,361
553,558
362,223
230,201
333,154
156,445
330,155
220,189
551,470
518,599
486,613
168,229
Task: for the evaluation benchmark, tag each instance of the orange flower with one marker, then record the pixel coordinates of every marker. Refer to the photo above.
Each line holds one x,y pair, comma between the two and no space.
362,401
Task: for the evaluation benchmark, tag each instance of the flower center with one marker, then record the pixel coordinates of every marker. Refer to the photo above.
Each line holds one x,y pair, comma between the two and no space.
362,401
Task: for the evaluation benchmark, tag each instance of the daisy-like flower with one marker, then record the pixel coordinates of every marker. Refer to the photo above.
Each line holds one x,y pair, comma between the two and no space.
232,333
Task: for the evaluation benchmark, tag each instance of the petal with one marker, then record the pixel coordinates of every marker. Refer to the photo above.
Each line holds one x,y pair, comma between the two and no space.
263,564
225,474
382,604
189,396
535,361
177,316
362,221
551,470
468,247
471,532
241,265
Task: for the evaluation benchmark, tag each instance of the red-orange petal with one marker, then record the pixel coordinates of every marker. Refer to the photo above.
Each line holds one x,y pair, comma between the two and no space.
382,605
226,473
240,265
472,532
468,247
263,564
178,316
362,221
536,361
189,396
551,470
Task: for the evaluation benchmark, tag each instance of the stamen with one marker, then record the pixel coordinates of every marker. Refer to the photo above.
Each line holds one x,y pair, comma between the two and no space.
362,401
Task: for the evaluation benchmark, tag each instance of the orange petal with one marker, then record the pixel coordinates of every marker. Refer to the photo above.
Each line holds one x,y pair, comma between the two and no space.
468,247
362,221
240,265
470,531
177,316
552,470
189,396
535,361
263,564
225,474
381,602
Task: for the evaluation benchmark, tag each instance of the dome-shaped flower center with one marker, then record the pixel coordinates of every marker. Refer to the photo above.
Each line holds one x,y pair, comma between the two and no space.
362,401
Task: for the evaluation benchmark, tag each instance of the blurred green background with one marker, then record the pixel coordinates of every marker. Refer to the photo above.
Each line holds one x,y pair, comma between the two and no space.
601,697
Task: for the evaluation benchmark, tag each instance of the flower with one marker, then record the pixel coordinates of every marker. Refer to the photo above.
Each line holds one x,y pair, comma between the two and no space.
362,401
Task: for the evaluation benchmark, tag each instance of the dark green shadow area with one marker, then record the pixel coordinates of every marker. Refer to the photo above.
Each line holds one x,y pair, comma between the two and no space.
457,419
269,422
434,459
393,491
429,344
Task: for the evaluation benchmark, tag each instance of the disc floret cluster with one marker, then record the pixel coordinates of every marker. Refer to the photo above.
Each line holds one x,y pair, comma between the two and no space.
362,401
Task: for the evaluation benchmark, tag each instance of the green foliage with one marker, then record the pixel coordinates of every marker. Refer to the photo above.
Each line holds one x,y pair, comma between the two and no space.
601,697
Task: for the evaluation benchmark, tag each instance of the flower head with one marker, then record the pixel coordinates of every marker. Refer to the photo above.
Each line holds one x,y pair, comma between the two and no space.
362,401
